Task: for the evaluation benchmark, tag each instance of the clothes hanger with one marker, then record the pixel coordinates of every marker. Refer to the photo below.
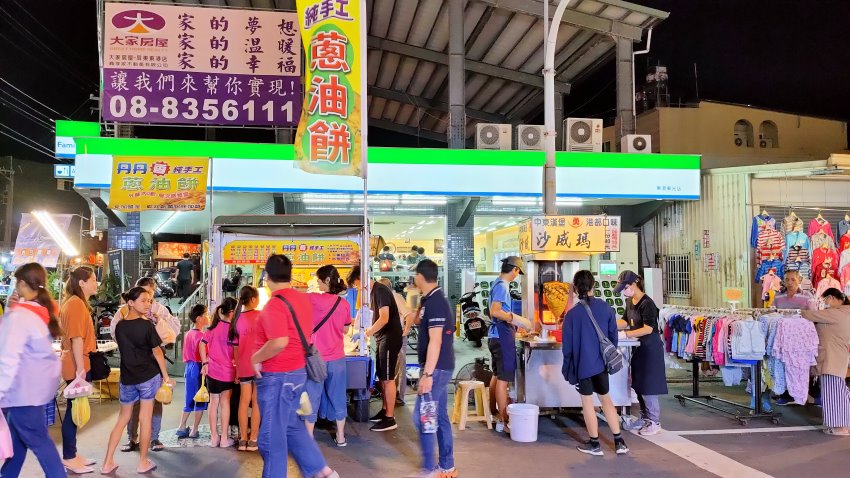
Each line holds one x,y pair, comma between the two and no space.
764,212
820,217
847,216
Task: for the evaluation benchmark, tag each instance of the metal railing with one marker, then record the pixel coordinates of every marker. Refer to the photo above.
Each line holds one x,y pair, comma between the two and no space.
198,296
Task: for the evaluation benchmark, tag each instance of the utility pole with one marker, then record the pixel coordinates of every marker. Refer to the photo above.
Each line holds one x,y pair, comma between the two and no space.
8,175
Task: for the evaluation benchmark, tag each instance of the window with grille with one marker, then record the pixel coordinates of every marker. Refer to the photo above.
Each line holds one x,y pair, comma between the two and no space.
677,275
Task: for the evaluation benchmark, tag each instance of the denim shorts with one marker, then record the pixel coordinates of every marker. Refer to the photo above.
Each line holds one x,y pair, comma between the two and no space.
128,394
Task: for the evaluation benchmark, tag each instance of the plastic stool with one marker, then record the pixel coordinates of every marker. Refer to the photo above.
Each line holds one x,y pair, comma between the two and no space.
461,414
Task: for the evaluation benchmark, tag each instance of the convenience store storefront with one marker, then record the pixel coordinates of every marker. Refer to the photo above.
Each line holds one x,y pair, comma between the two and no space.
436,199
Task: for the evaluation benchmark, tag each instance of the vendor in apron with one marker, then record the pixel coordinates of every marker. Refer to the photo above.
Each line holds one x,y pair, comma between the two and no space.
500,339
648,373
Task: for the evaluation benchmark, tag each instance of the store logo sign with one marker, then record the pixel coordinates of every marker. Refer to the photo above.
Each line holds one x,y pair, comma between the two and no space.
138,21
65,147
64,171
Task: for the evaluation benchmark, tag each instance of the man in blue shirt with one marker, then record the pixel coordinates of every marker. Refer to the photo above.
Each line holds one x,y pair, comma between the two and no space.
437,362
501,337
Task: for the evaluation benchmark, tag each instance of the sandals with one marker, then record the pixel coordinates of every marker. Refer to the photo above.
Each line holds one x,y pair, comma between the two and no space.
243,445
130,446
157,445
146,470
79,471
342,444
108,471
252,446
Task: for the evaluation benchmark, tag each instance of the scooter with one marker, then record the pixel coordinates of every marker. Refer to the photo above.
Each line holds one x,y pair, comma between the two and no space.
474,324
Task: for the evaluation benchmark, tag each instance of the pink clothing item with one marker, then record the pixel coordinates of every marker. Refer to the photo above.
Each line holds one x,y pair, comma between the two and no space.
692,339
329,338
219,353
245,326
770,282
828,283
190,345
719,342
796,345
822,225
844,277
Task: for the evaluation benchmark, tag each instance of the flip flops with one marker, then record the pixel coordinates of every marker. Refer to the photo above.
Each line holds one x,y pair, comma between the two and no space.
108,471
148,469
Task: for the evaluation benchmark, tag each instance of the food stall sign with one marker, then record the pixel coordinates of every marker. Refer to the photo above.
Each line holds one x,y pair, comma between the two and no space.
733,294
144,183
591,234
302,252
175,250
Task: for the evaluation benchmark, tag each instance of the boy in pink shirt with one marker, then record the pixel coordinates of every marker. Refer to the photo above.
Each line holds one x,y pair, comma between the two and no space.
192,375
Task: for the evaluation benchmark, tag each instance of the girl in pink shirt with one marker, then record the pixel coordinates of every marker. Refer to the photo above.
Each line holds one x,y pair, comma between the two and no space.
242,336
218,366
192,358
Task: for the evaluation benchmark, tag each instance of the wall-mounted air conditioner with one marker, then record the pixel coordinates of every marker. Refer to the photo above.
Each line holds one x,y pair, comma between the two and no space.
583,134
636,143
493,136
530,137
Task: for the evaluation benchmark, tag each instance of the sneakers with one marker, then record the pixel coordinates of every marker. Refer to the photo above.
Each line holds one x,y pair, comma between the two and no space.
500,426
620,447
818,402
784,401
379,416
651,428
590,448
633,423
452,473
251,446
384,425
182,433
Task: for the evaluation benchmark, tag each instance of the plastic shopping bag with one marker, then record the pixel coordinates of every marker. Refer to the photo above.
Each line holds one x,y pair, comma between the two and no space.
203,395
164,395
305,407
80,411
77,388
6,449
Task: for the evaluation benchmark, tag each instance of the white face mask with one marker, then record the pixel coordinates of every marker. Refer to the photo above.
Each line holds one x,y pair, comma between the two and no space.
628,292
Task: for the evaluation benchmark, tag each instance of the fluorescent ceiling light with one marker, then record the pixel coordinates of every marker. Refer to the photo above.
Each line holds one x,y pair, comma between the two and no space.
421,222
324,208
434,202
58,236
376,201
165,222
515,199
313,200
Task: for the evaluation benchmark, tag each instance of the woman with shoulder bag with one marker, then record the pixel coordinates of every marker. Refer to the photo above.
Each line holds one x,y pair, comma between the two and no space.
584,365
331,318
78,343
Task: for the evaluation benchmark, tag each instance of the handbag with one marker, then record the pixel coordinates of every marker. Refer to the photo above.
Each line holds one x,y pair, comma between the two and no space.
100,369
317,369
202,395
336,304
610,353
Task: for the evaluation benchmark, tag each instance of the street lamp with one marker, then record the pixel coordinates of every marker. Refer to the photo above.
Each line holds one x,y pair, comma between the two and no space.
550,39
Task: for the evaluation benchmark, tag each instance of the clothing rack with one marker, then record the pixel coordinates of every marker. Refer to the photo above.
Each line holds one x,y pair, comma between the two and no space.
756,411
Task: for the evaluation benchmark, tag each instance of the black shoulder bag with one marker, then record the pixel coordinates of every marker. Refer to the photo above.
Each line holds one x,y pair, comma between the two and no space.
610,353
333,309
317,369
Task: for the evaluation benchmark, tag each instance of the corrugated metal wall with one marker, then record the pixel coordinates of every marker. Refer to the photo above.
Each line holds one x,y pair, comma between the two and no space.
724,212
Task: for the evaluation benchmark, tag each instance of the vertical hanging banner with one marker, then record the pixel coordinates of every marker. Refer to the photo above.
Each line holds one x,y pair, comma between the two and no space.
330,135
145,183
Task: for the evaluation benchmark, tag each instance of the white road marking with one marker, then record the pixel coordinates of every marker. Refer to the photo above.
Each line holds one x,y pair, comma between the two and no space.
705,458
742,430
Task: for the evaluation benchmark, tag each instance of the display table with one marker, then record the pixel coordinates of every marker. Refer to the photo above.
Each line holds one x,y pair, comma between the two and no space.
539,380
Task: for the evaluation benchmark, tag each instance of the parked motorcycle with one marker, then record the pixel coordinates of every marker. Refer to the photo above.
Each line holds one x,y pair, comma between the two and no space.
474,323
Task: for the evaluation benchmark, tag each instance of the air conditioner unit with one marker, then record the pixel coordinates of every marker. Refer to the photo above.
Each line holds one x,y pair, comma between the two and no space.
740,140
493,136
636,143
530,137
583,134
765,142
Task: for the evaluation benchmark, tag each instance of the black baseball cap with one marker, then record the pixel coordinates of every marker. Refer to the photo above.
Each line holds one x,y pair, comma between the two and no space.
626,278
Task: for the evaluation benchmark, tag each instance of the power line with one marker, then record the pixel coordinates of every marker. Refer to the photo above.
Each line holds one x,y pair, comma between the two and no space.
30,116
38,149
59,41
30,97
22,103
75,80
27,138
34,39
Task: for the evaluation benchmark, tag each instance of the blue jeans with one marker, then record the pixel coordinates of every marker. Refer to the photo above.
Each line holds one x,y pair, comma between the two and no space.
29,432
443,437
327,398
156,422
69,430
281,430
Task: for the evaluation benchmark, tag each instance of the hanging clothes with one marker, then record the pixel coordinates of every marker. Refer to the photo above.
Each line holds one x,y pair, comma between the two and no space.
823,254
820,240
844,226
844,259
796,345
822,271
792,223
820,224
844,242
770,282
766,267
844,277
770,245
760,222
829,282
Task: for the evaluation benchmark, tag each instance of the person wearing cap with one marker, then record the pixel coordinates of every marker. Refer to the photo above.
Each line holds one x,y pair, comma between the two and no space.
501,337
648,375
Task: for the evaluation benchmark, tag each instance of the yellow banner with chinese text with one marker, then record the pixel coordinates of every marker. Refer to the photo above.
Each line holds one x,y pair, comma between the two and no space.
591,234
329,138
302,252
145,183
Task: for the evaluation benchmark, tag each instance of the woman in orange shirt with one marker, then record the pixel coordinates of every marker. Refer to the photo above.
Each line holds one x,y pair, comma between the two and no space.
77,343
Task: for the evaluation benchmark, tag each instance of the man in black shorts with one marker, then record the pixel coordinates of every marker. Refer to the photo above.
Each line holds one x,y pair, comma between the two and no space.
387,331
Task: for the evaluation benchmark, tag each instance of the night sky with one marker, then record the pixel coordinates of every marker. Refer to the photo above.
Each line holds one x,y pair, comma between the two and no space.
780,54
